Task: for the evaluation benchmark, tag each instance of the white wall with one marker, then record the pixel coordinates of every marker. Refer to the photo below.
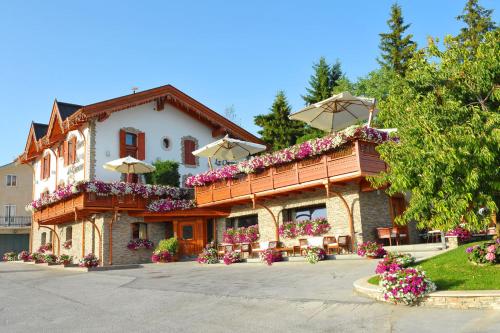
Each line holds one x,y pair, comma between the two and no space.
170,122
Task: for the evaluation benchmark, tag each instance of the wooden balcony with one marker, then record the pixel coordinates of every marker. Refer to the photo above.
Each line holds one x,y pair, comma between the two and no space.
354,160
87,203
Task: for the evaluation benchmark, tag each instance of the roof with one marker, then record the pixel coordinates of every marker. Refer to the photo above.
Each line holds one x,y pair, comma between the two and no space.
67,109
40,129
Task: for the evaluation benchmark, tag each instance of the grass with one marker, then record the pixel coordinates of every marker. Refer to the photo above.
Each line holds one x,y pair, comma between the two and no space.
452,271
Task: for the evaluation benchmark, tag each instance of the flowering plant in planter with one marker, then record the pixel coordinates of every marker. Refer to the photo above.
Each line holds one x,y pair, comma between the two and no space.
371,249
393,261
138,243
241,235
167,205
10,256
406,285
37,257
161,256
65,259
24,256
208,256
314,254
485,254
293,229
463,235
269,256
67,244
290,154
90,260
50,258
231,257
45,247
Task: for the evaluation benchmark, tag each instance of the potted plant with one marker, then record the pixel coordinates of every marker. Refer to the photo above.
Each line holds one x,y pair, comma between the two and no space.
89,261
269,256
314,254
44,248
24,256
161,257
136,244
170,245
65,259
208,256
50,259
67,244
371,250
231,257
10,256
37,257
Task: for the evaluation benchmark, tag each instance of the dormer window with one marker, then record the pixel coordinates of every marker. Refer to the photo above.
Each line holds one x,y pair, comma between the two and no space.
69,151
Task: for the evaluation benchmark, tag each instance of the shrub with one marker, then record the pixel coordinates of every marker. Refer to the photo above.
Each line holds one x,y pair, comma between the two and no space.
486,253
314,254
10,256
371,249
463,235
269,256
394,261
208,256
241,235
231,257
406,285
171,245
166,173
50,258
138,243
293,229
24,256
37,257
161,256
65,259
90,260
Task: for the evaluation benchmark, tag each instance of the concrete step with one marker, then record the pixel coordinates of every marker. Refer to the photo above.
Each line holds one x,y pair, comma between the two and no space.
416,247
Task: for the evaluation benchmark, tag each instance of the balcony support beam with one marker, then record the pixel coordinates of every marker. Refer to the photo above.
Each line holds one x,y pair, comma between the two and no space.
257,204
56,235
348,209
111,222
92,221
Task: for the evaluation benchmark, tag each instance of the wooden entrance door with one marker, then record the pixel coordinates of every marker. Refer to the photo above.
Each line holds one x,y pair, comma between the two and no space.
190,238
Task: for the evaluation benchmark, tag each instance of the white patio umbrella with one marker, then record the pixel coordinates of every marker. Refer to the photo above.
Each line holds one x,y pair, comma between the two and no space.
228,149
337,112
129,165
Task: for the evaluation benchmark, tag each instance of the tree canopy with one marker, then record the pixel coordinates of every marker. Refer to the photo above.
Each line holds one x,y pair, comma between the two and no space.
166,173
477,21
446,110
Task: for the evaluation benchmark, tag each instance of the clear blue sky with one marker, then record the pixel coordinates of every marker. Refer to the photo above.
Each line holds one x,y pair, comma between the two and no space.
221,53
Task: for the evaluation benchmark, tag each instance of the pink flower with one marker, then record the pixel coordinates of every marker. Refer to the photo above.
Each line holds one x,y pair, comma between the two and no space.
491,249
490,256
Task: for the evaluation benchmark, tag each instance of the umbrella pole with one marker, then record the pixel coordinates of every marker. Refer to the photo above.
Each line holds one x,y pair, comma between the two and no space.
370,116
210,163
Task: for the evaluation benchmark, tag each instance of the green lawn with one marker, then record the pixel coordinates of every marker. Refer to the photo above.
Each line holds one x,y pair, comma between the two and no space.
452,271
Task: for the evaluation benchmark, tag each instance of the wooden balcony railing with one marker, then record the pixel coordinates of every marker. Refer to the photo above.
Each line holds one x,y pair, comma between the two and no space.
357,157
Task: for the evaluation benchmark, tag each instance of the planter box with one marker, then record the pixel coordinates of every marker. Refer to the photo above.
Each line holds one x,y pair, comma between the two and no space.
342,161
312,169
240,186
261,181
285,175
203,194
221,190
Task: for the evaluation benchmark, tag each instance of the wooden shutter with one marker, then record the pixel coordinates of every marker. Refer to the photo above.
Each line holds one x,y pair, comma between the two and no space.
65,153
73,152
123,148
42,165
189,147
141,146
47,169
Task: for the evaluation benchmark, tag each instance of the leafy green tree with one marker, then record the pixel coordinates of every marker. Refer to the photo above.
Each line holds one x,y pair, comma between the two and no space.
166,173
396,48
477,22
278,130
446,110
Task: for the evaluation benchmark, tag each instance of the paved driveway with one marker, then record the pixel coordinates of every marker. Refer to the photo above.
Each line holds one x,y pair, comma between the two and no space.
187,297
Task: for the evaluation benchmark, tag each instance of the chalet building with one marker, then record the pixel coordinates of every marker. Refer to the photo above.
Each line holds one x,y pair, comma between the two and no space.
161,123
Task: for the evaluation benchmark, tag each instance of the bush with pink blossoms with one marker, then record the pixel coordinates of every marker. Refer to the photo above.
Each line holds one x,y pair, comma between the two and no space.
241,235
138,243
231,257
269,256
161,256
463,235
371,249
208,256
486,253
393,261
90,260
24,256
294,229
314,254
406,285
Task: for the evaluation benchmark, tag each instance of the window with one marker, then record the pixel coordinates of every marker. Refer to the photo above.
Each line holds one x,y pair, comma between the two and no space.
305,213
189,144
132,143
69,151
43,238
139,231
165,143
11,180
69,233
187,232
242,221
9,213
130,139
45,167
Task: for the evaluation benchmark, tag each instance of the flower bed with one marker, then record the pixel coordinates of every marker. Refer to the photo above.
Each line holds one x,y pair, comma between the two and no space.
294,229
37,257
394,261
291,154
105,189
50,259
10,256
24,256
65,259
371,250
406,285
67,244
89,261
136,244
314,254
161,256
241,235
231,257
269,256
208,256
485,254
463,235
167,205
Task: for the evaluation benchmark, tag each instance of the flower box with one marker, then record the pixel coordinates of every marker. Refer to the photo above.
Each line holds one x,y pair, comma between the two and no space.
313,169
285,175
240,186
261,181
221,190
203,194
342,161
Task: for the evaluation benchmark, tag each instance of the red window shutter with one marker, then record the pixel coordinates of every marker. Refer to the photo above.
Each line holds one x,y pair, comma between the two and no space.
123,149
189,147
73,158
65,153
141,146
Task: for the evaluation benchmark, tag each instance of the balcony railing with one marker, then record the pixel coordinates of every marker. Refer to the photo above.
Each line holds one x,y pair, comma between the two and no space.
15,221
357,159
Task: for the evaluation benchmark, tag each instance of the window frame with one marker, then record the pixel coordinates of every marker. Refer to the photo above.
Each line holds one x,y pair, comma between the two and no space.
290,214
11,180
234,222
8,216
45,167
136,226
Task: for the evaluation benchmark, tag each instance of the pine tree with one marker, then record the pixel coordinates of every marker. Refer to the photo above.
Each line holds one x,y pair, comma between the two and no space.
396,48
277,129
323,81
478,22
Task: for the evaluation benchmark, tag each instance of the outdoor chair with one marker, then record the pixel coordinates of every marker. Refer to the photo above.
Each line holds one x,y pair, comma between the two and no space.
344,243
220,251
304,244
256,248
245,248
384,233
330,243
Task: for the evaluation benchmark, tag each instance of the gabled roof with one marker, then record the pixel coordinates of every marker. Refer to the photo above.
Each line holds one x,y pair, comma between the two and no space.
40,130
67,109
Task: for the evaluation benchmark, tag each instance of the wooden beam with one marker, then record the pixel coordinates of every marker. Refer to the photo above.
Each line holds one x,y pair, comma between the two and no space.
160,103
218,131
